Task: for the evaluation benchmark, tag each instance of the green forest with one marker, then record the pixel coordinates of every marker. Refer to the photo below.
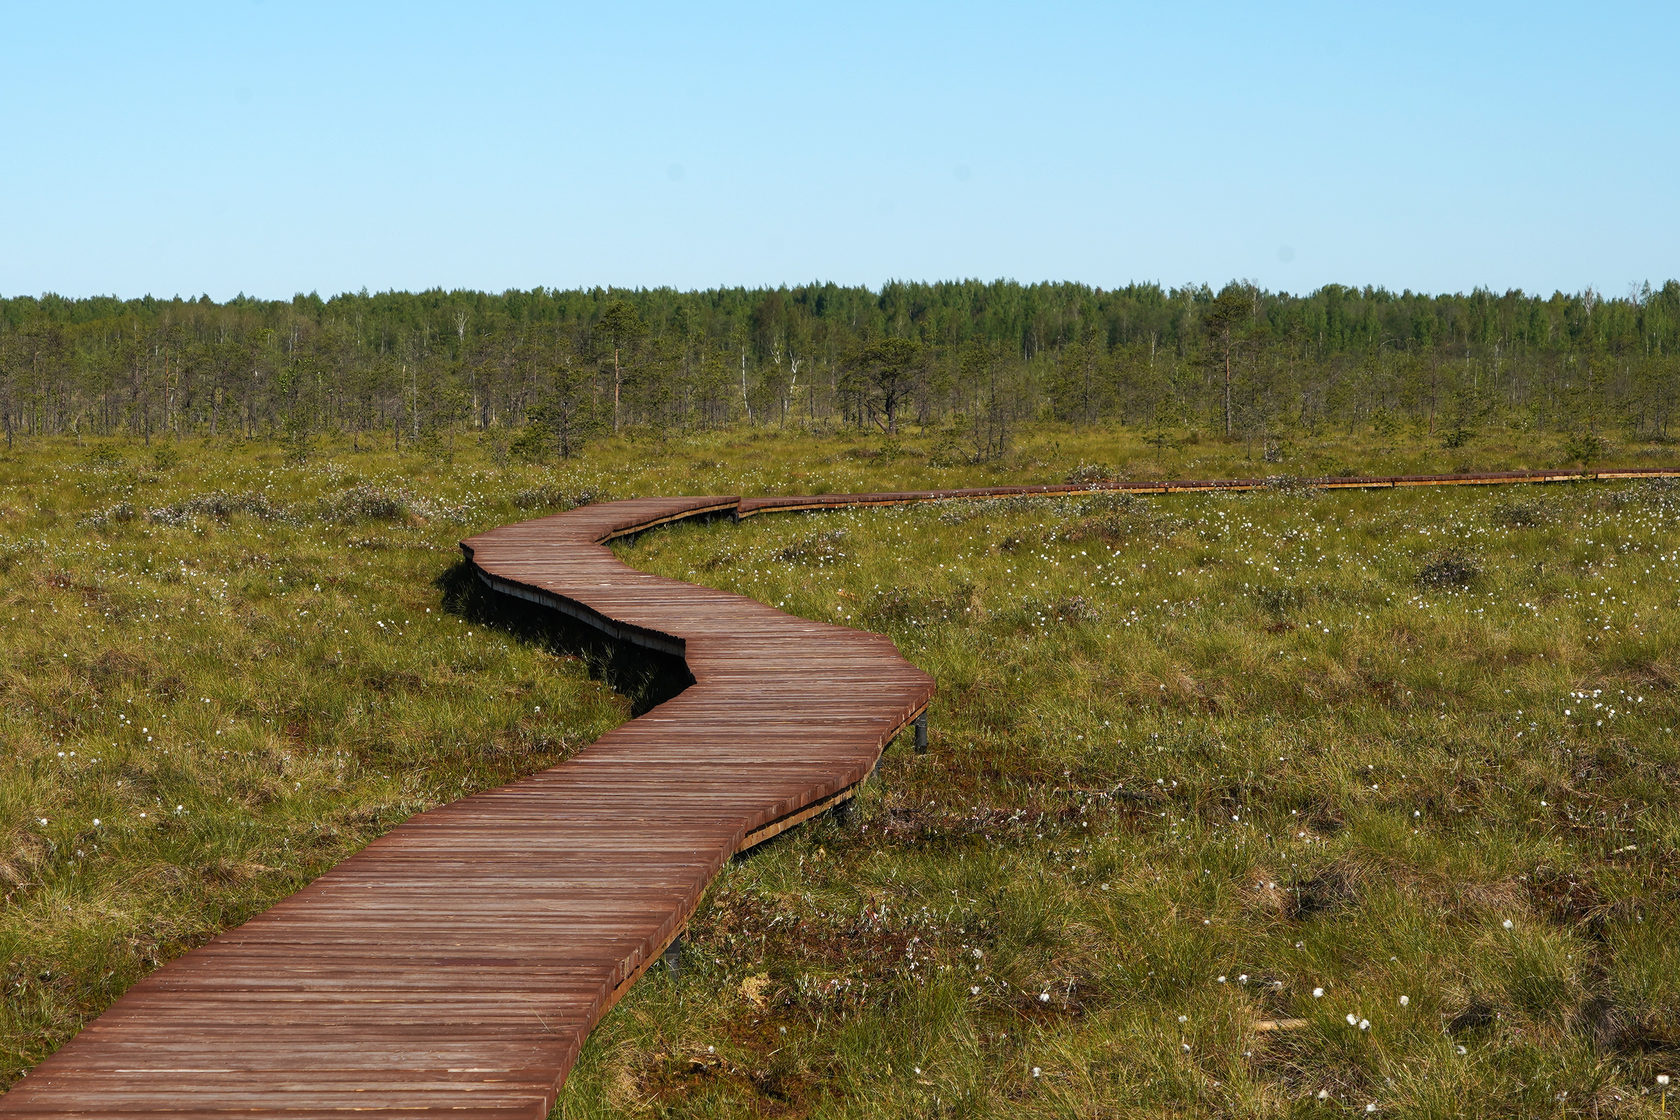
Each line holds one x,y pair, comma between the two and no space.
548,370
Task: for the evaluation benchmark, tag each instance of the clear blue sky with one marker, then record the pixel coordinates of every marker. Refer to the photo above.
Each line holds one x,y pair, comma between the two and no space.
281,147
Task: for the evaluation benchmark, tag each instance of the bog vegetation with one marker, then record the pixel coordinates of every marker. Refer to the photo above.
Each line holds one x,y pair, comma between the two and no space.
1283,803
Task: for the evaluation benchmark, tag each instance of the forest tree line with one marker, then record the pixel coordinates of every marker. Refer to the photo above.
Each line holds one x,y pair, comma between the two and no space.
552,369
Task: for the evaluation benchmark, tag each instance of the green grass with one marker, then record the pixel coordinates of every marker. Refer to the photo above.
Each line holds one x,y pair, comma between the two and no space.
1176,739
1192,759
216,681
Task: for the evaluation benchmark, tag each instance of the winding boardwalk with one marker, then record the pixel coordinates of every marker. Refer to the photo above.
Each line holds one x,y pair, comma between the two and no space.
457,963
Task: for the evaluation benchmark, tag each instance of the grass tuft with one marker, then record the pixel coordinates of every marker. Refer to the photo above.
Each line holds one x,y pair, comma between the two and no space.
1449,569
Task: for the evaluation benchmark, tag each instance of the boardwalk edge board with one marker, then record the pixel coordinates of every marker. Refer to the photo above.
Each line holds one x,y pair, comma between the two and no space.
458,962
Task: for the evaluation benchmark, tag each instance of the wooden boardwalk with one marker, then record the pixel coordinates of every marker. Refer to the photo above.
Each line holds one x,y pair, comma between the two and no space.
457,963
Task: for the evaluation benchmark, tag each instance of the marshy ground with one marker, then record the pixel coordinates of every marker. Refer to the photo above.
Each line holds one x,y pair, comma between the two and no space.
1261,804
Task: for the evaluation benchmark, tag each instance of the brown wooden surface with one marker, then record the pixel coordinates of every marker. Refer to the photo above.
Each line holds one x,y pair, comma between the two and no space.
750,506
457,963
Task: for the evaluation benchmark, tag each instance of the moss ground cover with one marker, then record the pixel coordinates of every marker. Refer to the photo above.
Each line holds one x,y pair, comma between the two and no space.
1176,740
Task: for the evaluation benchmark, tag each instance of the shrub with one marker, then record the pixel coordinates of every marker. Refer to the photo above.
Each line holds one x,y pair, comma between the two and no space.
1072,608
366,503
102,458
118,514
218,505
1583,448
1087,473
1518,513
535,443
1278,601
1118,517
915,607
819,549
947,452
1449,569
548,498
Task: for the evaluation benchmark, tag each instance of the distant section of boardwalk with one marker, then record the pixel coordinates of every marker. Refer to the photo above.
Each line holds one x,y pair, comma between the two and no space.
750,506
456,964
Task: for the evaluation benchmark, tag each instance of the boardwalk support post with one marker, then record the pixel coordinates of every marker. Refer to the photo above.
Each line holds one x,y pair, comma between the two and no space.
921,733
672,956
